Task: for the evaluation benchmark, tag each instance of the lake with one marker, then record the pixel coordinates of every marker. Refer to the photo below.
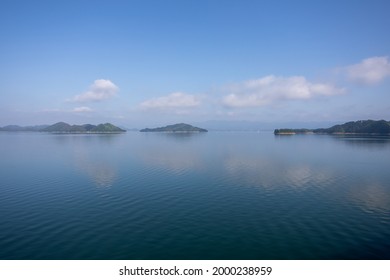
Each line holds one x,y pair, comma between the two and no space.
215,195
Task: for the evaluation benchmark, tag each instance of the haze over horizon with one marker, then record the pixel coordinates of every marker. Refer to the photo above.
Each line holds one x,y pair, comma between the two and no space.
152,63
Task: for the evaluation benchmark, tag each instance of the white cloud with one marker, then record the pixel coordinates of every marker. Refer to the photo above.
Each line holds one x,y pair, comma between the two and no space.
370,70
174,100
98,91
269,89
82,109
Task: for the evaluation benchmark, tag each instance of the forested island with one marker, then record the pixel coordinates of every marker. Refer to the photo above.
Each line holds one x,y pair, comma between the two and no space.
62,127
179,127
380,127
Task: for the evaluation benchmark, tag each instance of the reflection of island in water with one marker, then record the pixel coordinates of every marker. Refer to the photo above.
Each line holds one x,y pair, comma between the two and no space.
180,137
366,141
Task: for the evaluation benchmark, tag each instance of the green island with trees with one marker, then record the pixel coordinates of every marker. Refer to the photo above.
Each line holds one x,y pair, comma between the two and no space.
179,127
62,127
380,127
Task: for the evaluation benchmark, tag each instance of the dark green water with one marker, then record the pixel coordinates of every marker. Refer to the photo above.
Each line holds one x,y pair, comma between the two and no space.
218,195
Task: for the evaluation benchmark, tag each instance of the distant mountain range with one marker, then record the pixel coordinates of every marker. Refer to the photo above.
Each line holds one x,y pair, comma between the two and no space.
23,128
62,127
358,127
179,127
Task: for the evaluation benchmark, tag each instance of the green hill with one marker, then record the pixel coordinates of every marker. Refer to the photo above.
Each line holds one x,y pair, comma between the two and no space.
62,127
107,127
358,127
179,127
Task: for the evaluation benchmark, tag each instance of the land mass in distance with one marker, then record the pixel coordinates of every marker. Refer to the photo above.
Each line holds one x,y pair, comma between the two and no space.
380,127
62,127
179,127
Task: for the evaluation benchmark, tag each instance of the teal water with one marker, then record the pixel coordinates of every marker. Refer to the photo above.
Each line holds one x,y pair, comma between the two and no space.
217,195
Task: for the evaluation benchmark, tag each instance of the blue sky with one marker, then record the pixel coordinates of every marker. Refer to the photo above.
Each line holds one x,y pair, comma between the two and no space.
137,63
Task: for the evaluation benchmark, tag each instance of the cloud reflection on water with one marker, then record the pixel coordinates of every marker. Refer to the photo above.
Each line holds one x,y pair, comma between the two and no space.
371,196
268,173
89,153
175,151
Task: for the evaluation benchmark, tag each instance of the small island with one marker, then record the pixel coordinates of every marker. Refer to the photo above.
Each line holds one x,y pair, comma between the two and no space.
62,127
289,131
177,128
369,127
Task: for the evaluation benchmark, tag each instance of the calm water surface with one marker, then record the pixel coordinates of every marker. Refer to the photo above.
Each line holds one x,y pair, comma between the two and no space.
218,195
